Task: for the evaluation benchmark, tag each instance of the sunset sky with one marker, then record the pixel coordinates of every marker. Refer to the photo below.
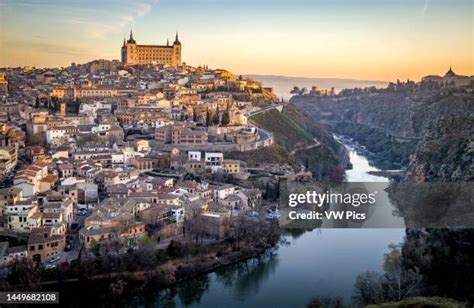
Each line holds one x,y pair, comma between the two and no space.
367,39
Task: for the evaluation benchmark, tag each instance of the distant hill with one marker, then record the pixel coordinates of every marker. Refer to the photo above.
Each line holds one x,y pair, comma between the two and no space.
282,85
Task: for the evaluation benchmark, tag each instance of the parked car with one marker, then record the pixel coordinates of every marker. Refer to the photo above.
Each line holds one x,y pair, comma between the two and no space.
54,259
50,266
82,212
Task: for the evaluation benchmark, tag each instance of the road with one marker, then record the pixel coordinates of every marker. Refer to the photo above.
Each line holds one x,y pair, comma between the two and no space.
293,152
316,143
249,114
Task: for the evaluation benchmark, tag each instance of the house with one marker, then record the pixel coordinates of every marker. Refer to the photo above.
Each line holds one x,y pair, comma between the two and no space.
114,218
57,209
178,134
29,179
168,199
44,243
222,192
9,254
233,202
213,161
230,166
60,134
9,196
118,191
100,235
19,214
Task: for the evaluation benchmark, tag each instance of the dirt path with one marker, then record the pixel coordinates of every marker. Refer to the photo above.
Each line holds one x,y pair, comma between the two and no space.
293,152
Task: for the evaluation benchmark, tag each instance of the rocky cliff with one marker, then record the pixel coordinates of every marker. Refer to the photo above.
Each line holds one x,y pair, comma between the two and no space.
446,150
432,132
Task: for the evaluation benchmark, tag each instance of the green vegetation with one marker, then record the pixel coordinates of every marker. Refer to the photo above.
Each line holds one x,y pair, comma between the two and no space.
297,137
286,129
444,259
274,154
430,263
420,302
394,284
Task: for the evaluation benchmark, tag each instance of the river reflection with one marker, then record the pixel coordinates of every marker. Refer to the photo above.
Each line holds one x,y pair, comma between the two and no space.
306,264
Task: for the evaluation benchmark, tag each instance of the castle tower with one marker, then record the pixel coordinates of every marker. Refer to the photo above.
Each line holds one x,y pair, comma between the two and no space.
176,51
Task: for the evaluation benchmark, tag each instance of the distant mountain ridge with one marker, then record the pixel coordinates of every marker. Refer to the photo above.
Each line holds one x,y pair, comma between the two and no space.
282,85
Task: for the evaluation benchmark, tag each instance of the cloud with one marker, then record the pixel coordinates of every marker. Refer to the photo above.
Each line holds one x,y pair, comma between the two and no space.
95,18
425,8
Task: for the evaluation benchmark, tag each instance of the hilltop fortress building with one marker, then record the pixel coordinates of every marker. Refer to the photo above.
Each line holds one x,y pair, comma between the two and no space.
133,54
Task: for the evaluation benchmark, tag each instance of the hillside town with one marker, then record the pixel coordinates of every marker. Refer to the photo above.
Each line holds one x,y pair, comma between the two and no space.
107,153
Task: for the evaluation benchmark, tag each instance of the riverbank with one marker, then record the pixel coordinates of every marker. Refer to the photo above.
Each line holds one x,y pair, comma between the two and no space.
177,270
396,175
394,170
146,268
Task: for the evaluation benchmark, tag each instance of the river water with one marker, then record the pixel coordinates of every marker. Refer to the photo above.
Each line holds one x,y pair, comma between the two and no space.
321,262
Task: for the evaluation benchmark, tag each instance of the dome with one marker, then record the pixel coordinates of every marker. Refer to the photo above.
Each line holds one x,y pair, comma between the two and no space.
450,73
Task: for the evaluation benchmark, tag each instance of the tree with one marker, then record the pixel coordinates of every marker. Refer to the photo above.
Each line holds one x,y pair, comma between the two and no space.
36,139
196,225
84,140
146,242
398,282
176,249
208,117
296,90
55,103
242,230
215,118
95,248
25,275
226,118
368,288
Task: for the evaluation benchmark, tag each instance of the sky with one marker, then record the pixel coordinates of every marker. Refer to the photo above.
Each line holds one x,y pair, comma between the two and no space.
365,39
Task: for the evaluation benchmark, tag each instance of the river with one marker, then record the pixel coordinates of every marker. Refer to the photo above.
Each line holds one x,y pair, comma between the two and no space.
321,262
